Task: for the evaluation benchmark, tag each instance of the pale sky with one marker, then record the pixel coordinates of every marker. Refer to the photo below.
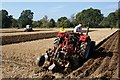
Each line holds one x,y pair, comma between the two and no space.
56,10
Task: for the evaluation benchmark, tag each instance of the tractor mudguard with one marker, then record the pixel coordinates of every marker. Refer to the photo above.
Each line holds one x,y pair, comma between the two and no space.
83,38
60,34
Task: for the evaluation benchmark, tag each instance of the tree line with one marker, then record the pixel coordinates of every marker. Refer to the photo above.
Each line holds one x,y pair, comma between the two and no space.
93,16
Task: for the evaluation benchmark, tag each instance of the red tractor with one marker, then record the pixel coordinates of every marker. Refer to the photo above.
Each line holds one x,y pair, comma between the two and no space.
68,52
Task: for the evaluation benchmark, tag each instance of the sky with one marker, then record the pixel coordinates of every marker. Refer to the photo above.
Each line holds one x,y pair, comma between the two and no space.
56,10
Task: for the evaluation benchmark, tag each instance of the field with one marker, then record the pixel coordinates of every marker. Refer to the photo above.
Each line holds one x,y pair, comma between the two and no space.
19,60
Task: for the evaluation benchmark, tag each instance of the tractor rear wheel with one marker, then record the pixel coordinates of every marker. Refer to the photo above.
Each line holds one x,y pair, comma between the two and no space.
85,48
92,48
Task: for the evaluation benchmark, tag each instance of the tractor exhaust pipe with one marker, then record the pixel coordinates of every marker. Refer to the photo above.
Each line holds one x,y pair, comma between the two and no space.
88,25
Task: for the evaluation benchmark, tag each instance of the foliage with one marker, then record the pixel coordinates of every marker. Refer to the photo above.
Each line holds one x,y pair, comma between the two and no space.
5,19
44,21
51,23
67,23
63,21
25,18
0,19
15,23
111,20
73,21
37,23
118,12
91,15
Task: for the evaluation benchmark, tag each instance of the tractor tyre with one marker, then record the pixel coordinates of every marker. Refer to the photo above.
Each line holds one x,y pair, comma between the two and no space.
85,49
92,48
40,60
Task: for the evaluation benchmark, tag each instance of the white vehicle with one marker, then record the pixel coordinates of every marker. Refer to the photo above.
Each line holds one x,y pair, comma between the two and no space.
28,28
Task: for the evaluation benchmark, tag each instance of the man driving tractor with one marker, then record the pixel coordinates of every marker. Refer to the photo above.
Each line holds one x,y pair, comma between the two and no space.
69,50
78,29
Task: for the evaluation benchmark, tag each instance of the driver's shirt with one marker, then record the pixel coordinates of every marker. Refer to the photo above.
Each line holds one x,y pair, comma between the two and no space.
78,28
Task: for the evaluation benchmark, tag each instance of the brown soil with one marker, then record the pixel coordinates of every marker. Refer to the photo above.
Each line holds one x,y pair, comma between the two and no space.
104,63
10,37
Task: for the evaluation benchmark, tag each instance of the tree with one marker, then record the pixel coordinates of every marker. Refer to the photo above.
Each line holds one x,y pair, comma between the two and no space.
14,23
44,21
67,23
73,20
118,11
5,19
52,23
91,15
111,20
26,18
0,19
37,23
63,21
104,23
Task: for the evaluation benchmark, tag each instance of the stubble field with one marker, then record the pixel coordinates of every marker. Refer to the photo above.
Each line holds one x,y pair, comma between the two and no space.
19,60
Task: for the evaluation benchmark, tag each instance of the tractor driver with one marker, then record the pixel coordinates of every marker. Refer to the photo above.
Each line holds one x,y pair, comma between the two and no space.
78,29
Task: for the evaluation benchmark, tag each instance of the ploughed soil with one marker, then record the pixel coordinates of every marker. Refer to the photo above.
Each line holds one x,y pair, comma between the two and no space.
18,61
